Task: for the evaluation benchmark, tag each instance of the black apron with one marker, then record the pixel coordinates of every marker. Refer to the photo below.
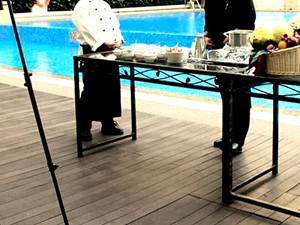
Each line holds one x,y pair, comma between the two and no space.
101,96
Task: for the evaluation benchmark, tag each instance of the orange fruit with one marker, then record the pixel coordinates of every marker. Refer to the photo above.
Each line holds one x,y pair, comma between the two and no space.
282,44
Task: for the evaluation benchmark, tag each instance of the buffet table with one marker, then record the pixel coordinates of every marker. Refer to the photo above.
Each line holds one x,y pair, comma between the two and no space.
200,75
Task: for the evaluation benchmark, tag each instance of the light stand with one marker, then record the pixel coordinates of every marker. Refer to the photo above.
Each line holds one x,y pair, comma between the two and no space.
52,167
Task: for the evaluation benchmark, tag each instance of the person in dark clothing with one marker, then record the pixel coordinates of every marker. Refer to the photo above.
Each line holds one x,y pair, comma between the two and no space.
222,16
98,30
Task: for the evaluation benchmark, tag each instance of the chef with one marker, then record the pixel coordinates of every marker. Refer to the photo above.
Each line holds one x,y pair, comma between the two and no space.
232,14
98,30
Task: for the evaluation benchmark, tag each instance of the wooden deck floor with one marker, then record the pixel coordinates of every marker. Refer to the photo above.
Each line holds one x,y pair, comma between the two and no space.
170,175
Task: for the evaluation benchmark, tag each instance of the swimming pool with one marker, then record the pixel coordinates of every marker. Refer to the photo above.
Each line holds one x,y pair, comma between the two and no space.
47,46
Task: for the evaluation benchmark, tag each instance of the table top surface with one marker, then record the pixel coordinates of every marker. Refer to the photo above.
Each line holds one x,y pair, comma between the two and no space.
205,67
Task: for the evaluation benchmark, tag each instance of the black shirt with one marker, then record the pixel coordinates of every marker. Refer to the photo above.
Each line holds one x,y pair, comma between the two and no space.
226,15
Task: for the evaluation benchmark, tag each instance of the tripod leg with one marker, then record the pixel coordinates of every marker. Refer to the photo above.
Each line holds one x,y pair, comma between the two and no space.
51,166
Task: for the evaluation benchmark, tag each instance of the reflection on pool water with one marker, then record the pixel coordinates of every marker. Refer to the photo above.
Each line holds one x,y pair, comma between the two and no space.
47,46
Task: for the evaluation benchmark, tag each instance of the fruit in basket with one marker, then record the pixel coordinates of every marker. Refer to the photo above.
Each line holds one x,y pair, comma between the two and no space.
293,41
261,34
274,56
282,44
280,30
288,42
261,37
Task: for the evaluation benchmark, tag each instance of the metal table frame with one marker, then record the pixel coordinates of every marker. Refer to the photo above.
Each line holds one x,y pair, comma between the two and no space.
201,76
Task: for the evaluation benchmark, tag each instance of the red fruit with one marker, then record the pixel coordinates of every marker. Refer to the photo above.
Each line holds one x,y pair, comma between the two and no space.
293,42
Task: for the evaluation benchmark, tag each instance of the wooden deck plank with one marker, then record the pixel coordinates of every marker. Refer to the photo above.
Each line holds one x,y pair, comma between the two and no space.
170,175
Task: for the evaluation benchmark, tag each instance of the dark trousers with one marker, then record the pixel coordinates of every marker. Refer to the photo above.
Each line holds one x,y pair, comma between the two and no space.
101,96
240,112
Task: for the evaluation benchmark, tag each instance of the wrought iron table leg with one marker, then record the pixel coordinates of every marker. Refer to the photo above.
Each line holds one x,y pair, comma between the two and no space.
227,139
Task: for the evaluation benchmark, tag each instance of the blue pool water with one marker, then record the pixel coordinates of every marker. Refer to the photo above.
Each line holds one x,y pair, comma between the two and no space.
47,46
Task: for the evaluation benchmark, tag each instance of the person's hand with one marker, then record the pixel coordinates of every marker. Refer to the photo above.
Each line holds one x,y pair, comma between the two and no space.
209,43
226,40
113,45
118,43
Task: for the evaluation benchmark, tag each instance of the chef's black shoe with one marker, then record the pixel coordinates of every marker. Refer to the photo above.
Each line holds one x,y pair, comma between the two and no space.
112,129
236,148
218,143
86,135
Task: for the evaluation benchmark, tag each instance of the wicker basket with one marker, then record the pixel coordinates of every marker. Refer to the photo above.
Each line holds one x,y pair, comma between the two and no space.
284,62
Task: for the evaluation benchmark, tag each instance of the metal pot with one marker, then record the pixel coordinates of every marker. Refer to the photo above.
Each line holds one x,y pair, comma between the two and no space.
239,38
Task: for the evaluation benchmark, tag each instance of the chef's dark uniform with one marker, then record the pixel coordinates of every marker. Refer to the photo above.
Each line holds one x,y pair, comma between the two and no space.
222,16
